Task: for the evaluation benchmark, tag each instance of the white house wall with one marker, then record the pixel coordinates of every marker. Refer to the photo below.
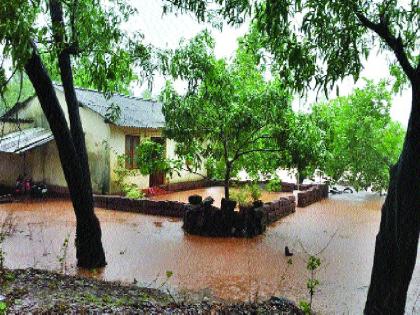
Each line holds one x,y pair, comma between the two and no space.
184,175
43,163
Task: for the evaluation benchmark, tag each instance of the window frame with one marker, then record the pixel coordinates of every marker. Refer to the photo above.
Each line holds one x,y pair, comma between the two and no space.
131,142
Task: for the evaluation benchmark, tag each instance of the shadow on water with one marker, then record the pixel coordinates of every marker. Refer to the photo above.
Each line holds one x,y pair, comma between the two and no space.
144,247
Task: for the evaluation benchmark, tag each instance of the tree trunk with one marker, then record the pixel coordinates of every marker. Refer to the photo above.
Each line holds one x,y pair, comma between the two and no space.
77,134
397,240
227,178
89,250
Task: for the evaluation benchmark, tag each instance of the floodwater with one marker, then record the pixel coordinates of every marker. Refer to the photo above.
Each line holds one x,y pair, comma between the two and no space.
217,194
143,248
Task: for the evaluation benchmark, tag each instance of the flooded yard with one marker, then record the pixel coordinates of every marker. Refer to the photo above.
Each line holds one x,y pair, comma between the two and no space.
142,248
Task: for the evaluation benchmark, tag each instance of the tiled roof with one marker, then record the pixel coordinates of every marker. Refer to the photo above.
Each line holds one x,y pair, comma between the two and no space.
135,112
26,139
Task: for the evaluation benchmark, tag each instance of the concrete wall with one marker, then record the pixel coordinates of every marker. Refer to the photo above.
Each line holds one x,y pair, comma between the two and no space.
9,127
11,166
117,147
184,176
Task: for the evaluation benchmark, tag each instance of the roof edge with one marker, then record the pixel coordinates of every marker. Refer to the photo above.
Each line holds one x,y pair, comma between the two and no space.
18,106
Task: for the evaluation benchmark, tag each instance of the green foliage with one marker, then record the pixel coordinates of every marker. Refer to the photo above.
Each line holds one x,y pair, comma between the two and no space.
362,142
3,308
305,307
274,185
312,266
323,41
313,263
103,54
113,113
245,195
254,191
120,171
130,190
15,92
241,196
228,114
150,157
305,146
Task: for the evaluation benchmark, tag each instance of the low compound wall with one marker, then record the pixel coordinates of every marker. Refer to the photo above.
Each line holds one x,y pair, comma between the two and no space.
311,194
279,208
206,220
285,187
214,221
163,208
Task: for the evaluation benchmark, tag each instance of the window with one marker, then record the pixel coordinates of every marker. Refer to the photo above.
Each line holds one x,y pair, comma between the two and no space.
131,143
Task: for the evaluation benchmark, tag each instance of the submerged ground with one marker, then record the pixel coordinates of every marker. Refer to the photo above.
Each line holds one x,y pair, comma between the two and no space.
142,248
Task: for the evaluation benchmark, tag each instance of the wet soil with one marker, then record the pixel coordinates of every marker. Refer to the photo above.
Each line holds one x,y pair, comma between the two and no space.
142,248
31,291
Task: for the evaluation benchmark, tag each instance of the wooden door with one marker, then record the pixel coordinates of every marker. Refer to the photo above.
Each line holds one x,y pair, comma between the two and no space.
157,178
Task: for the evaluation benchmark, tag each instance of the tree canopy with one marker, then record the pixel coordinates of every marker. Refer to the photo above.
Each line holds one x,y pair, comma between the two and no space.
228,113
323,41
104,55
362,142
304,145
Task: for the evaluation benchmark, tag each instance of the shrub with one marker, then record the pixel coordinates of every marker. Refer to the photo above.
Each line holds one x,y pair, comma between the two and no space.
274,185
241,196
254,191
132,191
245,195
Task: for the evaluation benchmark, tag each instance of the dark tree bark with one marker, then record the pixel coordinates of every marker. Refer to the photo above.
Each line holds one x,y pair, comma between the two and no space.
77,135
89,250
397,240
398,236
226,181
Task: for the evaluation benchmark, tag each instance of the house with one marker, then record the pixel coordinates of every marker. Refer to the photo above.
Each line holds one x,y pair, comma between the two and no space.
27,146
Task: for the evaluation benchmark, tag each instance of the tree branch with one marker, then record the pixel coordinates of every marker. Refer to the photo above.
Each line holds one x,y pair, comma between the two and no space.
187,169
237,156
395,43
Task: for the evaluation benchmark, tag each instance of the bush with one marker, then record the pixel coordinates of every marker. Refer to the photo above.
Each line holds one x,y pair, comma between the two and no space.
254,191
132,191
245,195
274,185
241,196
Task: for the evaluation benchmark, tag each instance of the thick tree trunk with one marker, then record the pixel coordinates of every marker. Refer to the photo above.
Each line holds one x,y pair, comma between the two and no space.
78,137
397,240
89,250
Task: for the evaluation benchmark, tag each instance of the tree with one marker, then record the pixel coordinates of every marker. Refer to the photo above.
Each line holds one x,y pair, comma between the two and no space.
227,114
44,38
362,141
320,42
304,145
18,89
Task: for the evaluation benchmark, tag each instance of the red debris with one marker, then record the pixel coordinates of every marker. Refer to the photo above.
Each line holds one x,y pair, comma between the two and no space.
154,191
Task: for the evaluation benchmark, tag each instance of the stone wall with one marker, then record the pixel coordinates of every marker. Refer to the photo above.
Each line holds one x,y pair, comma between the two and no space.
279,208
311,194
163,208
181,186
201,218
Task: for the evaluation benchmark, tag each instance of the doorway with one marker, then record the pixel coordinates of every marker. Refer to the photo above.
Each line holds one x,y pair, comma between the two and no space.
157,178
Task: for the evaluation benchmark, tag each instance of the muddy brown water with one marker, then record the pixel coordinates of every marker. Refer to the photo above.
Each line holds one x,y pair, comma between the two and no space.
144,247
